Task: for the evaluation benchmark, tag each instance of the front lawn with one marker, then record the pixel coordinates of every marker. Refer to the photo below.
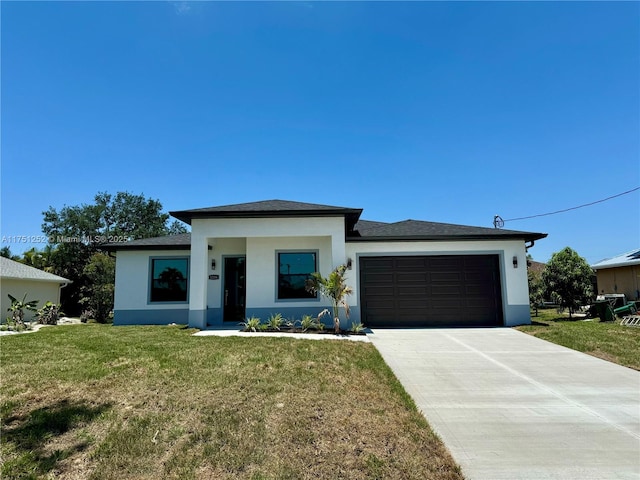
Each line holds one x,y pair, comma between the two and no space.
103,402
609,341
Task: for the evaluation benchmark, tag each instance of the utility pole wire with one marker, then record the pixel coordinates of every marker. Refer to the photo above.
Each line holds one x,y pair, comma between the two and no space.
573,208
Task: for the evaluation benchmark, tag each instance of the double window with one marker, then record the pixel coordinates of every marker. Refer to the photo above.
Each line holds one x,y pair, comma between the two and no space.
169,277
294,269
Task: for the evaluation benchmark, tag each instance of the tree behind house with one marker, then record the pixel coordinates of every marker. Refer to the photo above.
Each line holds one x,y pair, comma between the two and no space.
567,280
78,232
536,289
97,294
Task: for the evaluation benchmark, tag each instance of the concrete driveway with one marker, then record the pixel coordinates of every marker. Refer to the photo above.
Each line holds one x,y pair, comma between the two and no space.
511,406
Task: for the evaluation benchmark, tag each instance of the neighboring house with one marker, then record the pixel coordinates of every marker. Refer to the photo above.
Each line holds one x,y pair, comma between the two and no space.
17,279
253,259
537,267
620,274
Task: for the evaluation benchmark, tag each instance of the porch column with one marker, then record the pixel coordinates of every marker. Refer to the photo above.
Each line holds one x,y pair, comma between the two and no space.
198,282
338,252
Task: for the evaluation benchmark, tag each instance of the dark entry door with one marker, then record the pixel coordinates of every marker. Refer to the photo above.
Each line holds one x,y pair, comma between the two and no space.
234,295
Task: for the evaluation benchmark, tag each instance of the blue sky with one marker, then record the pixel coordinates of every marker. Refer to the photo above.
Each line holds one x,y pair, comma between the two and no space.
448,112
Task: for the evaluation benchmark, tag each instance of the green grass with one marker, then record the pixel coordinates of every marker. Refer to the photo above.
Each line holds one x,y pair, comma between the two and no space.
102,402
609,341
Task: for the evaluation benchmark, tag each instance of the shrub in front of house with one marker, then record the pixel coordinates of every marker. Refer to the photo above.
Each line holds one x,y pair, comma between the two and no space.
49,314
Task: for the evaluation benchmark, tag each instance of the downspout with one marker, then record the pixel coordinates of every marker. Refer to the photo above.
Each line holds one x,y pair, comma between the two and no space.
62,285
527,247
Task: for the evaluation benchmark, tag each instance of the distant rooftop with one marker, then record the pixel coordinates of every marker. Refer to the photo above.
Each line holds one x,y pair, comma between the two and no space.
19,271
624,260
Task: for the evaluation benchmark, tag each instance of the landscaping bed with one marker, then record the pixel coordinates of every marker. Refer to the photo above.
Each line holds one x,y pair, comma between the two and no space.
323,331
307,324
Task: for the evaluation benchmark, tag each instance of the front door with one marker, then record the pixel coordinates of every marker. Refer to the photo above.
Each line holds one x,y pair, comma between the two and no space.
234,295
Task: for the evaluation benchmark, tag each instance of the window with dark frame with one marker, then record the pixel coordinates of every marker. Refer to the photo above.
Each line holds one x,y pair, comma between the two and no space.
294,269
169,278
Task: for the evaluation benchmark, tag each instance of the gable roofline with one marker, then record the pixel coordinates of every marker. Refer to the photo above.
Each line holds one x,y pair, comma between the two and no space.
12,270
270,209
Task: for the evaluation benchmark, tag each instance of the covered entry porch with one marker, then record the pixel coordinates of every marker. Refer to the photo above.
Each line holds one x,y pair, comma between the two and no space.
234,277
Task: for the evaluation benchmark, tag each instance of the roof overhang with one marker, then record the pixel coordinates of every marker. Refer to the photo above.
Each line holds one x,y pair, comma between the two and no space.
350,214
448,238
59,281
113,247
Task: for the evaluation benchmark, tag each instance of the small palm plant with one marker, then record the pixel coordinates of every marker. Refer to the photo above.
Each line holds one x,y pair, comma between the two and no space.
251,324
275,321
333,287
17,309
313,323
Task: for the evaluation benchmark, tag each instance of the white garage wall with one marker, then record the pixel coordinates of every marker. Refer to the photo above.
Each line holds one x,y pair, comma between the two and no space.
36,290
515,279
515,288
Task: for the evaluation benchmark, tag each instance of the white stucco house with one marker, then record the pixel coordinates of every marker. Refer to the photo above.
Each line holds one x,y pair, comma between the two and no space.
253,259
18,279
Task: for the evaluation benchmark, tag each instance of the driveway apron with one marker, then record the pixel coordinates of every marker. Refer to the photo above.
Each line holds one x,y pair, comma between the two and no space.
512,406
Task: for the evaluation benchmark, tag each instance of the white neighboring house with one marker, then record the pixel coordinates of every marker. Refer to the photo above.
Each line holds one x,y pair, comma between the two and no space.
17,279
253,259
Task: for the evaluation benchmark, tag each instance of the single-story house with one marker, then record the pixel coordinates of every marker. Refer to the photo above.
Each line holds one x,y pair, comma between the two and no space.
252,259
620,274
18,279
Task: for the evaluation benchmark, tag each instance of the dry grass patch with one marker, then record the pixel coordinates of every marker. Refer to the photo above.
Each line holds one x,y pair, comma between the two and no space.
103,402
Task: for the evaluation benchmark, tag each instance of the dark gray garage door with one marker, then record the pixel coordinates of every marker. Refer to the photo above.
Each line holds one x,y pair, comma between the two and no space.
413,291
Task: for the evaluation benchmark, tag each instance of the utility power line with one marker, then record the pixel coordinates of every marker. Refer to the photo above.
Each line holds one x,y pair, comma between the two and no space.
498,222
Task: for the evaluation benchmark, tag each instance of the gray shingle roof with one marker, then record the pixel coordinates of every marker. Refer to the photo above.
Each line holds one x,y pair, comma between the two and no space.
268,208
421,230
357,230
363,225
181,241
12,269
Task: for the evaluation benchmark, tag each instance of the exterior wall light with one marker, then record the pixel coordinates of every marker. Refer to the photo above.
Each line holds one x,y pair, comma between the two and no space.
349,263
515,262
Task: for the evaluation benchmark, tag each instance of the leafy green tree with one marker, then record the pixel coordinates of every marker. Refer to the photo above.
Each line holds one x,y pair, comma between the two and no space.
335,288
40,259
97,294
6,252
122,215
567,280
536,289
78,232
